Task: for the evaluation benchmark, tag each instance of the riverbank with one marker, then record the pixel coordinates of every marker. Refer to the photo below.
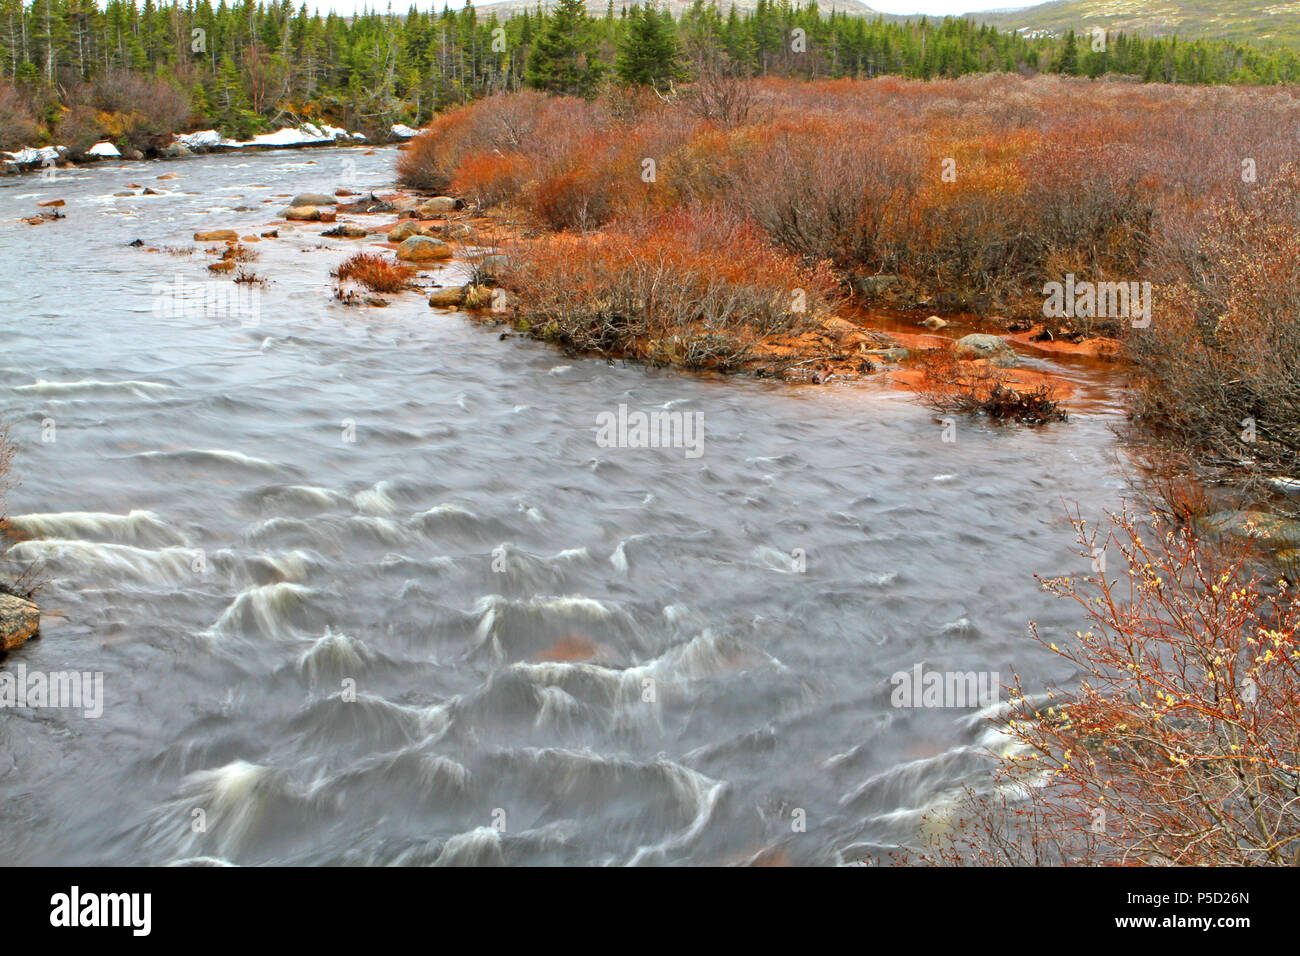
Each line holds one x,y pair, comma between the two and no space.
432,234
32,159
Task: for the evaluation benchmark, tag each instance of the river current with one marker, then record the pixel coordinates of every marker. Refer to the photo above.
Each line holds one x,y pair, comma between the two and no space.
364,587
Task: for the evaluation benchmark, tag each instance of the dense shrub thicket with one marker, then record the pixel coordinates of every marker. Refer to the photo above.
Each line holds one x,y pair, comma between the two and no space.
965,194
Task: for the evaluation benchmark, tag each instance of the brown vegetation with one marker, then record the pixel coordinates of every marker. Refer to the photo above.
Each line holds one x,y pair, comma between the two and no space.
18,126
696,288
975,191
950,385
1220,364
1178,746
953,195
374,272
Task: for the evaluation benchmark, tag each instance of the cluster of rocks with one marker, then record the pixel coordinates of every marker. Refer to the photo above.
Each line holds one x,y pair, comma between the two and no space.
422,235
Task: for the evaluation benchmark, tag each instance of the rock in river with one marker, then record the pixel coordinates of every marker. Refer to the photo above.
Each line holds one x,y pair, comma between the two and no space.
302,213
404,230
346,231
1269,531
982,346
216,235
448,298
423,249
312,199
19,620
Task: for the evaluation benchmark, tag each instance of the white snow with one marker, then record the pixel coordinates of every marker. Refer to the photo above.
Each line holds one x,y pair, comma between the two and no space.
28,155
305,135
286,137
405,132
203,139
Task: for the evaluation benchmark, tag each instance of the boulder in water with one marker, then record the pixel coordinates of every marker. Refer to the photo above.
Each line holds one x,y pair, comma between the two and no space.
423,249
216,235
404,230
1270,531
346,230
312,199
447,298
19,620
982,346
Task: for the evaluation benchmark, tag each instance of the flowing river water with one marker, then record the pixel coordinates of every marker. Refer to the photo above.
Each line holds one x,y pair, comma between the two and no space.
364,588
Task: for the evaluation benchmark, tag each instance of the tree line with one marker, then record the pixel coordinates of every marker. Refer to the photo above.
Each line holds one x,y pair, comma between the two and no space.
133,72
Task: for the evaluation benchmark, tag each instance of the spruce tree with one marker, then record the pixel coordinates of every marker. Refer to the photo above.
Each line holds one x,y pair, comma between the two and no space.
1068,60
563,57
649,54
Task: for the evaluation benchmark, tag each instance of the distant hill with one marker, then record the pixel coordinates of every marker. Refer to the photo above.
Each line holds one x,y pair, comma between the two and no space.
1242,21
597,8
1238,20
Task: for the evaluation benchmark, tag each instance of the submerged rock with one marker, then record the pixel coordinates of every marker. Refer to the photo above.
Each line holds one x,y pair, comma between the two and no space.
312,199
366,204
19,620
346,231
216,235
982,346
894,355
1267,530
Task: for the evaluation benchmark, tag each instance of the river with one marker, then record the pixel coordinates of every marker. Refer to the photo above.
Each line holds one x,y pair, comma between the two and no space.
364,588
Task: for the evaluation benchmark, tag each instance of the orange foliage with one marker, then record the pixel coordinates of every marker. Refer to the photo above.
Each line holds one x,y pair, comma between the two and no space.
696,288
489,178
375,272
